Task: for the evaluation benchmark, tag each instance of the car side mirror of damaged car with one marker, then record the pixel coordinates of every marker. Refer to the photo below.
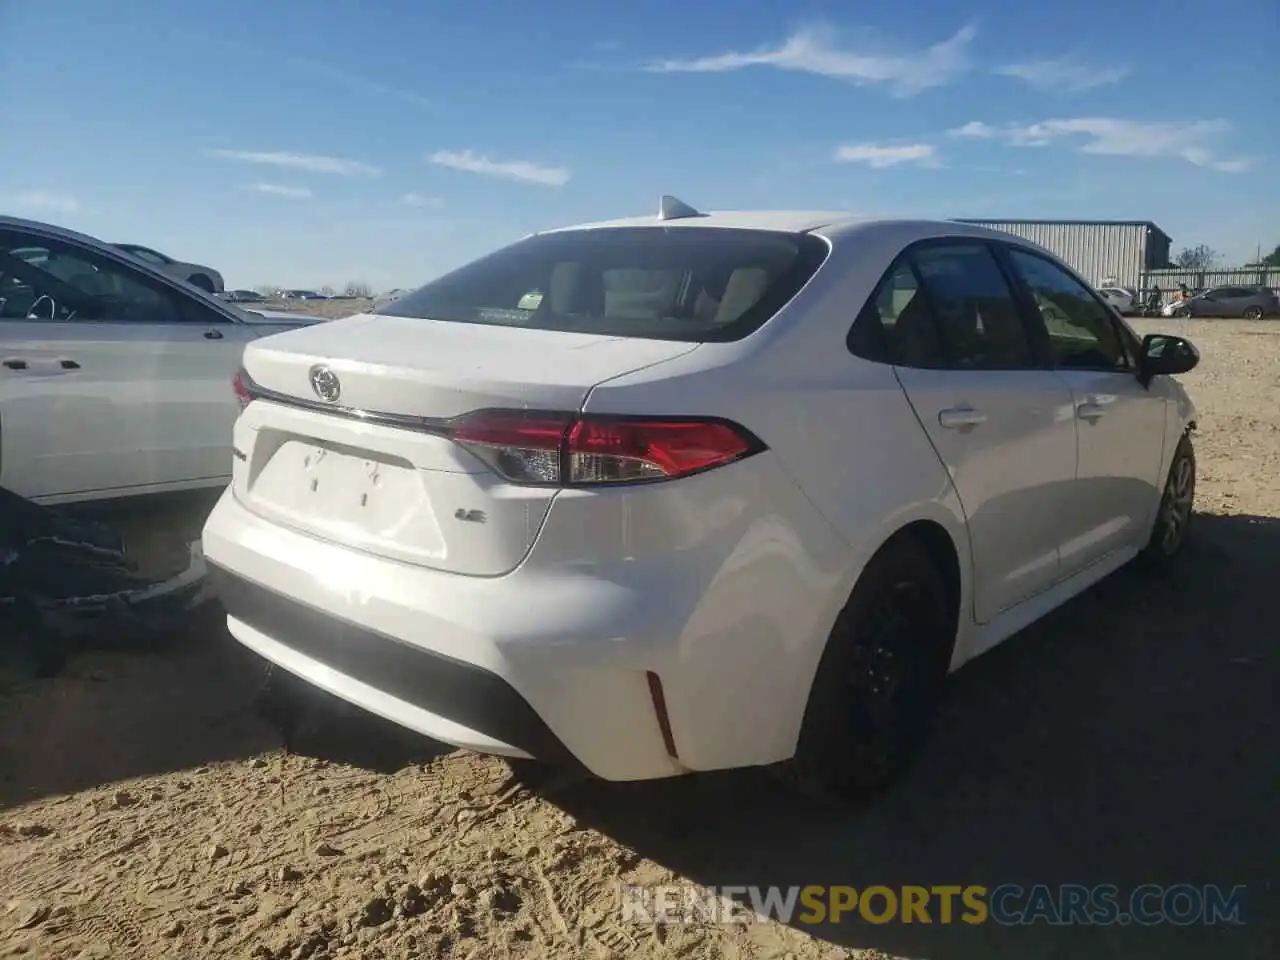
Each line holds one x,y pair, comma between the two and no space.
1163,353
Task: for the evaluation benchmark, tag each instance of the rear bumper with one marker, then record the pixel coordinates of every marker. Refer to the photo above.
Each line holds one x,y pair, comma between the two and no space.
515,666
723,586
379,672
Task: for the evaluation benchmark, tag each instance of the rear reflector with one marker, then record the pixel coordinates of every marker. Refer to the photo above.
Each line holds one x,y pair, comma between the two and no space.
571,450
660,709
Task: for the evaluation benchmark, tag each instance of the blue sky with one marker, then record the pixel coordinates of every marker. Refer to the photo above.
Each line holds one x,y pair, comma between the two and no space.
309,143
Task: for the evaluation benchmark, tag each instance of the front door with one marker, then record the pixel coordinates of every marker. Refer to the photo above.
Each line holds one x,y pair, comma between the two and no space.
1120,424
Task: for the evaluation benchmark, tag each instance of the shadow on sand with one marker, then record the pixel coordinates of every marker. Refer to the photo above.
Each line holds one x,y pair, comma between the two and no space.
1129,738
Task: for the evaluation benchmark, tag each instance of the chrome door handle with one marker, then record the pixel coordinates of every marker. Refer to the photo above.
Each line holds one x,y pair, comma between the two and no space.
959,418
1091,411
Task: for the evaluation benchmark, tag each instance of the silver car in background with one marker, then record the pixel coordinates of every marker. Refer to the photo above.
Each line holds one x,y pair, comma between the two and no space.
198,275
1249,303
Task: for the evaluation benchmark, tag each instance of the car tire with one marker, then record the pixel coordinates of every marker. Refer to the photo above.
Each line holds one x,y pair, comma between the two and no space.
1182,313
1176,510
1253,313
200,281
879,681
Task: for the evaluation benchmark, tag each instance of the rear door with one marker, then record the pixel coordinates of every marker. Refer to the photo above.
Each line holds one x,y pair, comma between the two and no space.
999,421
1235,300
1120,423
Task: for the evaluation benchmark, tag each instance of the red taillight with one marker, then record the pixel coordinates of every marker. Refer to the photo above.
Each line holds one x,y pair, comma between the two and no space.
521,447
610,451
240,384
563,449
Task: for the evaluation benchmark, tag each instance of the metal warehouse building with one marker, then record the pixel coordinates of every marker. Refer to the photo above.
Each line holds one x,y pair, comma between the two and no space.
1117,250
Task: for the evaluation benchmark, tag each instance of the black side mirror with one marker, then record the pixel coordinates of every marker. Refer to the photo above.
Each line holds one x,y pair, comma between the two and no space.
1163,353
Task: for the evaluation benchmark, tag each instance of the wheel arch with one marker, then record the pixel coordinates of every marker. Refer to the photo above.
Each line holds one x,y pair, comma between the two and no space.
934,539
938,528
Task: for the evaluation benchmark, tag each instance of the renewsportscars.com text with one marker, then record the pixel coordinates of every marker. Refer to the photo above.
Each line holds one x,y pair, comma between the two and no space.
1006,904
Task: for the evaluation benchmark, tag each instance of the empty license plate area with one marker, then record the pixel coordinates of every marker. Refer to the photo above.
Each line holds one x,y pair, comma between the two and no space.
356,497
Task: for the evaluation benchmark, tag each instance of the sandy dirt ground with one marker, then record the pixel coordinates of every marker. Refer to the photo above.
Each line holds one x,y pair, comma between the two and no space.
147,811
329,309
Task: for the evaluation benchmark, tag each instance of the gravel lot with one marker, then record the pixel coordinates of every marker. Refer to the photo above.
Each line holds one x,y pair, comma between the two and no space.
146,811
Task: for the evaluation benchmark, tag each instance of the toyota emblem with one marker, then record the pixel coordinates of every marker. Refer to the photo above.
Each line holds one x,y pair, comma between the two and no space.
326,384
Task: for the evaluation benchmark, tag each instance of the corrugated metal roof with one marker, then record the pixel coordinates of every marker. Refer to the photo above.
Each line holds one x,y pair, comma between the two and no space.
1095,250
1099,223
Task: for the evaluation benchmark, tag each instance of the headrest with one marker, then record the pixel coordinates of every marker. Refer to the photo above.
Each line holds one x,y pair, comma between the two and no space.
743,291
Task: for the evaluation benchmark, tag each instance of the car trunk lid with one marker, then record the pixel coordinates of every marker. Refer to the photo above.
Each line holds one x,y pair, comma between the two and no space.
346,440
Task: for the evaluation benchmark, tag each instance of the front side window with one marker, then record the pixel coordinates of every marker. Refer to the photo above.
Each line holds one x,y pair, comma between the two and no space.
1082,334
695,284
44,279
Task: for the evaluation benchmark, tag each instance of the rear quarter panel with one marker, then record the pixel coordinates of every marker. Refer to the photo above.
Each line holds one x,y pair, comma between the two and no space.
858,466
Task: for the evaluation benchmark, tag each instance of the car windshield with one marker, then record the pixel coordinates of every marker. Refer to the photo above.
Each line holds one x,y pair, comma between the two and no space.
694,284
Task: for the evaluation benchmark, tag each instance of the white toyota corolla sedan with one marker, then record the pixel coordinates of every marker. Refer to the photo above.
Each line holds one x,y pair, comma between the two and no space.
696,491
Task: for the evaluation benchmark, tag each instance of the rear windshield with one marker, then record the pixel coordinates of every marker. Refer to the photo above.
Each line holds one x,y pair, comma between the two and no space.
695,284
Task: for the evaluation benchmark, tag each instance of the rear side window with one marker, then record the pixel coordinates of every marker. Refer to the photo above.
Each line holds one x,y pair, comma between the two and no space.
897,325
976,312
695,284
943,305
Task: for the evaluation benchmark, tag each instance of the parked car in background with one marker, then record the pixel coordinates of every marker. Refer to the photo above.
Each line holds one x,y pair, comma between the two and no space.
242,296
301,295
695,492
115,376
204,278
1251,303
1123,299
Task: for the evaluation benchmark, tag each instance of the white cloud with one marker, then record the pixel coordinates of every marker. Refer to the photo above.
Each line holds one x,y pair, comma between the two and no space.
421,201
523,171
974,128
881,156
814,50
308,162
362,84
1188,140
280,190
1066,74
41,202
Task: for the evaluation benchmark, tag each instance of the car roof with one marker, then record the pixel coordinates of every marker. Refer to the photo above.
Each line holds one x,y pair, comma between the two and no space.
18,223
783,221
833,224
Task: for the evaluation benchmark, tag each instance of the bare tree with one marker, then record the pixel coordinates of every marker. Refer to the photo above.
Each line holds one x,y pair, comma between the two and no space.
1201,257
358,289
